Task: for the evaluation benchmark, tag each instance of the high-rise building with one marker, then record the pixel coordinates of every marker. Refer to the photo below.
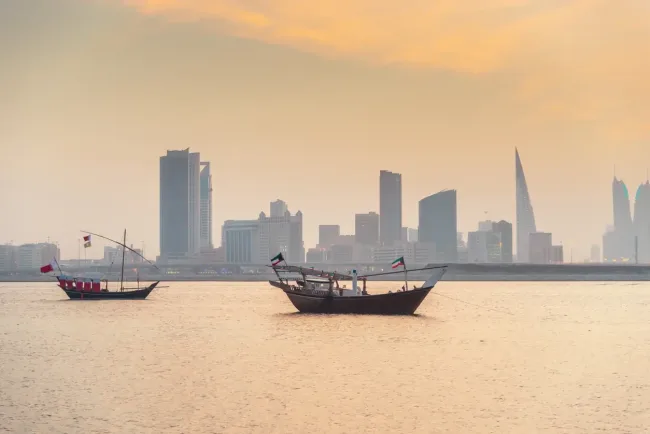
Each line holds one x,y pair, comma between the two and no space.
642,221
180,207
484,246
257,241
278,208
282,234
409,235
619,241
34,256
366,229
390,207
504,229
240,240
328,235
621,200
541,248
438,224
485,226
525,215
205,179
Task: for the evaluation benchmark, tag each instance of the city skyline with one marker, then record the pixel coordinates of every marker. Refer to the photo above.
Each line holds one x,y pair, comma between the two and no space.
621,204
85,111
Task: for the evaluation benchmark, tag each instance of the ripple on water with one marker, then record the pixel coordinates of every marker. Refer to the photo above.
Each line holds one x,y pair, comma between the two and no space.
236,358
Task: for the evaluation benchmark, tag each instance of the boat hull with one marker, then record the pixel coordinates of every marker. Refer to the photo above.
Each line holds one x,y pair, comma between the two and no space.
138,294
395,303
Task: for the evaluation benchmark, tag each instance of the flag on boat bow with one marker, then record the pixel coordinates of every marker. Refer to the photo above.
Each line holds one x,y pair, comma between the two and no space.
49,267
397,262
277,259
87,241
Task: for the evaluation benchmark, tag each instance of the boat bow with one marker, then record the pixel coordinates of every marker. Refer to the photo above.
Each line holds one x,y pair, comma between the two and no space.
434,278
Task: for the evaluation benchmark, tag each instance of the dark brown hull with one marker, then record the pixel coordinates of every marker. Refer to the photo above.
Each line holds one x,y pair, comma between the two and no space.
395,303
138,294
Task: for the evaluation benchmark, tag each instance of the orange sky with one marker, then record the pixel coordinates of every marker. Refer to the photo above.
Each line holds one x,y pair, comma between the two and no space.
288,98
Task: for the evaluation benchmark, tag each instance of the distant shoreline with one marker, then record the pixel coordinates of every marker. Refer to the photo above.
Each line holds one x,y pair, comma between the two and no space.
450,277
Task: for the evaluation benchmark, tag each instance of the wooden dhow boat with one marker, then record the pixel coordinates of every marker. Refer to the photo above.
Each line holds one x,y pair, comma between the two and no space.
318,291
78,288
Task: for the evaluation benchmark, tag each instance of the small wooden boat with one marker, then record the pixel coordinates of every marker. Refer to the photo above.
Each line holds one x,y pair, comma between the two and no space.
318,291
78,288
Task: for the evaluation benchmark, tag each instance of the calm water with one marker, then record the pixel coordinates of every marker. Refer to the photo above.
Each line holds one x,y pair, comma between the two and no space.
235,358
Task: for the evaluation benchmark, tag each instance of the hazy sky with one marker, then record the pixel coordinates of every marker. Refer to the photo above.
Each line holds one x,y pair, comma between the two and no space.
307,101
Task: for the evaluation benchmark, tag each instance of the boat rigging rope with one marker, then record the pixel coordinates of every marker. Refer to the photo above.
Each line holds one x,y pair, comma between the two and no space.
472,304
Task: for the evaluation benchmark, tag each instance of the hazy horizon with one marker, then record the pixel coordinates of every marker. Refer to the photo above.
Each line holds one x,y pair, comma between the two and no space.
279,96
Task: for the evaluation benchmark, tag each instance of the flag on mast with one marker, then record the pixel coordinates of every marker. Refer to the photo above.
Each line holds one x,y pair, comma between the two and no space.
49,267
277,259
397,262
87,242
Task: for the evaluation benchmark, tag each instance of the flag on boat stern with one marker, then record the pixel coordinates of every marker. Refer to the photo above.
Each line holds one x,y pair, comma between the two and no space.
277,259
49,267
397,262
87,241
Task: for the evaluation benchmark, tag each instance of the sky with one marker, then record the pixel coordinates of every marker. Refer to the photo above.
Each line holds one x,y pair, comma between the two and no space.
308,101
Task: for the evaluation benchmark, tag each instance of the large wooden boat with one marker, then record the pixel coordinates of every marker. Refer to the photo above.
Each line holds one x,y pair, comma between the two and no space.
79,288
318,291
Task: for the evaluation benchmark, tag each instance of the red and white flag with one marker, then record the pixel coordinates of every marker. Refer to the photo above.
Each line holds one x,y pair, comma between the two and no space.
49,267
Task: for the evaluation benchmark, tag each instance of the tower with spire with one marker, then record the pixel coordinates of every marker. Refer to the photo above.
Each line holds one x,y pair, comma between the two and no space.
525,215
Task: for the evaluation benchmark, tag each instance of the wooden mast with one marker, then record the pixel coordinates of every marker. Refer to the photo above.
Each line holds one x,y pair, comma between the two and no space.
123,255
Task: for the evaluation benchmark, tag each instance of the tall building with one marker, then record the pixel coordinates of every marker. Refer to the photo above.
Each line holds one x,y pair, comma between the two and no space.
390,207
642,221
8,257
257,241
525,215
409,235
180,207
504,229
366,229
619,241
328,235
484,246
34,256
240,240
541,248
278,208
205,179
621,202
438,224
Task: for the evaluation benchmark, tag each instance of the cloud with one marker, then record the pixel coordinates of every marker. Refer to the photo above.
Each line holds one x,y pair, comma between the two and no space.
583,60
471,36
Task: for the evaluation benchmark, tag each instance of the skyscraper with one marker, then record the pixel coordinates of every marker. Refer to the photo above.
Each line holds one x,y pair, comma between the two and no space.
278,208
180,207
621,198
366,229
642,221
206,207
390,207
618,243
328,234
505,229
525,216
438,224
